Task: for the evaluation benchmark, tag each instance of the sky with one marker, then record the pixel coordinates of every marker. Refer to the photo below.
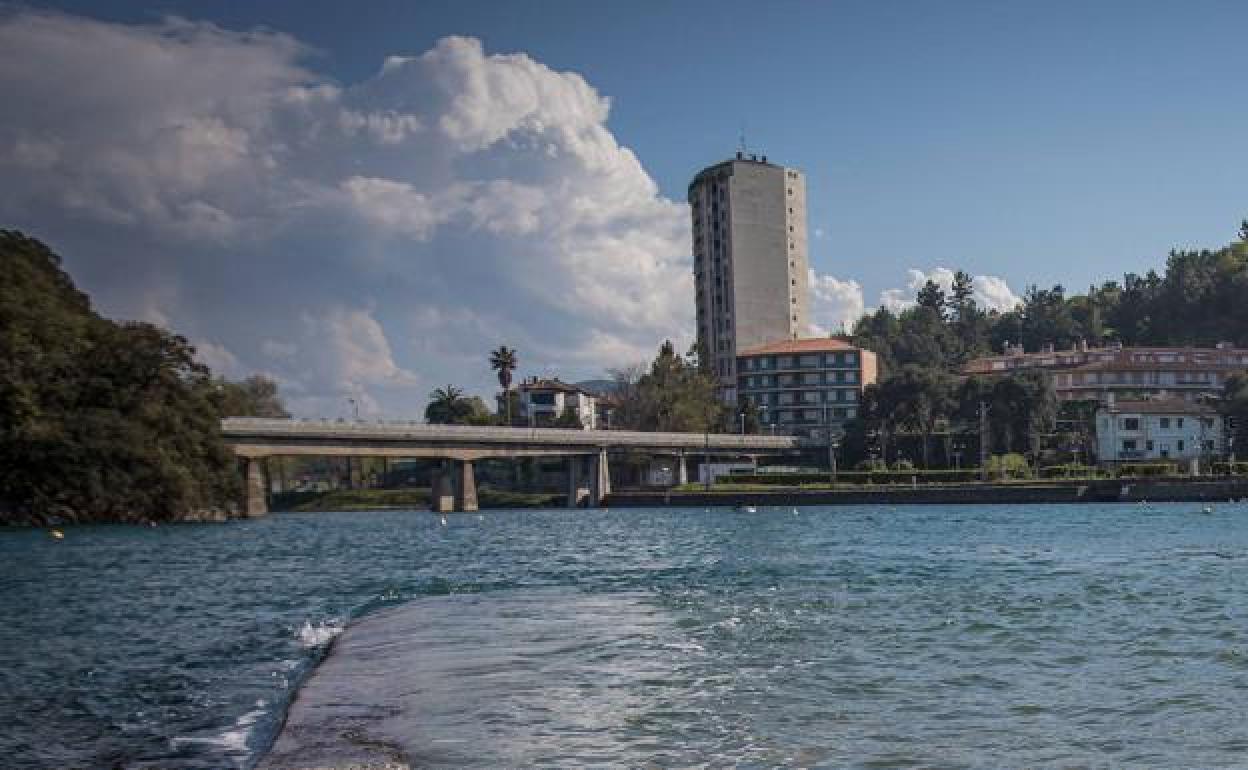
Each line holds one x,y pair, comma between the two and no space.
362,200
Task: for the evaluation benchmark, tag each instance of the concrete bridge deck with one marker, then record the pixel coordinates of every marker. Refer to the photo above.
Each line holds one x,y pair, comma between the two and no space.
460,445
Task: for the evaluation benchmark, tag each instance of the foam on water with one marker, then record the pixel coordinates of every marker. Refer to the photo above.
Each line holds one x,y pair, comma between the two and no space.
312,635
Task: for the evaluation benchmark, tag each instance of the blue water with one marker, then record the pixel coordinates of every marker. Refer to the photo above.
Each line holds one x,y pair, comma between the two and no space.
1051,636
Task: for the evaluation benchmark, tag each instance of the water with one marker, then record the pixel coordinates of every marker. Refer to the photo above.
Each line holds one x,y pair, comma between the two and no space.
1042,636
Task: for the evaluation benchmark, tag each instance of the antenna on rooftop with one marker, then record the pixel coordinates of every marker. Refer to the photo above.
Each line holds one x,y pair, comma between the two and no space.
741,148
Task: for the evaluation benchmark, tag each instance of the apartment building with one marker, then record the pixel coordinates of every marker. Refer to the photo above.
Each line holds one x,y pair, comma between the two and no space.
750,259
805,386
1160,429
1087,373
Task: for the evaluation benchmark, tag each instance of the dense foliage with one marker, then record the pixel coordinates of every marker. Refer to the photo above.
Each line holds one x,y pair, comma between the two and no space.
675,394
1197,300
102,420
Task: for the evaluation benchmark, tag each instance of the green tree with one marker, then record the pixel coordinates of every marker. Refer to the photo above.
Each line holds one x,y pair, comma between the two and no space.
674,394
1235,410
448,406
568,418
99,420
255,396
503,361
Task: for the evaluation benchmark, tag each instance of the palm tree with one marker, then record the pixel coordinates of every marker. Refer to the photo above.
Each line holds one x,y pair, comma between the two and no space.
503,361
445,405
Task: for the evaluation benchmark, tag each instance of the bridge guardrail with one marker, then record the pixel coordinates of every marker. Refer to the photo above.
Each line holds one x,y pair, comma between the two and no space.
255,427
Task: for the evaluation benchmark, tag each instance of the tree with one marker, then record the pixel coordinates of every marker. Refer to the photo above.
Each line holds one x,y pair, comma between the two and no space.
923,397
99,420
568,418
503,361
447,406
1235,410
674,394
255,396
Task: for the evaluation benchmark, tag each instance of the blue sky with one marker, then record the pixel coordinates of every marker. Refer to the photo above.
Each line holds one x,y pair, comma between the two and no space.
1044,142
249,175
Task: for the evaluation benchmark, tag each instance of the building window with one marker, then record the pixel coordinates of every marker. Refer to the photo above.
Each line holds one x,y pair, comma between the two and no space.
806,361
785,362
1178,423
1180,445
1129,423
1128,445
1165,423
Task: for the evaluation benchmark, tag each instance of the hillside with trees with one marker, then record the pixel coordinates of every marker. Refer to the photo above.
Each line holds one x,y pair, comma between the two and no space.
1198,300
105,421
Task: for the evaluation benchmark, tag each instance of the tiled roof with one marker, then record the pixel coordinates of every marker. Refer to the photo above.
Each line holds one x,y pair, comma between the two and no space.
805,345
1163,406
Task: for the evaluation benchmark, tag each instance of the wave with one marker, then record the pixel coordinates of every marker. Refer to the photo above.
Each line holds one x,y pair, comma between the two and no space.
312,636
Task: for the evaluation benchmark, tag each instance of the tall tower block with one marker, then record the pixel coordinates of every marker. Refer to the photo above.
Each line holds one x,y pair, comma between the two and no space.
750,259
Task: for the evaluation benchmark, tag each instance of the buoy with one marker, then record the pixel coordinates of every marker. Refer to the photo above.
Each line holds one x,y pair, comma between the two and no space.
57,534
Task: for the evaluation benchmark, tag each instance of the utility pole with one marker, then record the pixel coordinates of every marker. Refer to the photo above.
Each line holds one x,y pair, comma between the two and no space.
706,461
983,440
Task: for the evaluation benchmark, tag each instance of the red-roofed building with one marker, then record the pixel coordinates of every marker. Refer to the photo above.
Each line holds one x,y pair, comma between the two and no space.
1085,373
805,386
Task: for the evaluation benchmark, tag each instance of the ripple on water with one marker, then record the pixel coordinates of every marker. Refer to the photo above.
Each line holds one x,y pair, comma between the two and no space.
932,637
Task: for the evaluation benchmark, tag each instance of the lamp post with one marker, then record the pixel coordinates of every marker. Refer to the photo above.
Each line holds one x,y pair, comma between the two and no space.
355,408
743,423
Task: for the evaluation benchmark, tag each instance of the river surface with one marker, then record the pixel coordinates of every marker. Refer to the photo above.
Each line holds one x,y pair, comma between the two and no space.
926,636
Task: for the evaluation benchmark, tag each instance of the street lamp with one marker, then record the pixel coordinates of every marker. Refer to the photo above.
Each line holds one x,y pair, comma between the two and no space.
355,408
743,423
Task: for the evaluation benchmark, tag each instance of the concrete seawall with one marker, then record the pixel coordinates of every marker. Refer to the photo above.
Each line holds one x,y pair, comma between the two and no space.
1110,491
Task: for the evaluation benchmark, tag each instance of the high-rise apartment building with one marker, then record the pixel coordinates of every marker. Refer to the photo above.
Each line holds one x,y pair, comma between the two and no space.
749,259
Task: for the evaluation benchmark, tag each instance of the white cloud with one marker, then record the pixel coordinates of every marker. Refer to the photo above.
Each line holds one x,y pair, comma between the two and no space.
835,304
989,291
373,237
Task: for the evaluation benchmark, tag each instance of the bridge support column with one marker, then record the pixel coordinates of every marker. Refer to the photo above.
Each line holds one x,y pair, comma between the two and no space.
256,502
466,488
576,492
600,486
682,470
442,491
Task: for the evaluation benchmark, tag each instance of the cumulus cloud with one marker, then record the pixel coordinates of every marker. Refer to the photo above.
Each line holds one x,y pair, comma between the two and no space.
990,292
367,240
835,304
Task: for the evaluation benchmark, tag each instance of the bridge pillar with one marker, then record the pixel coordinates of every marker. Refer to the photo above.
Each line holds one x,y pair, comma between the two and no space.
576,492
466,488
682,470
442,491
256,502
600,486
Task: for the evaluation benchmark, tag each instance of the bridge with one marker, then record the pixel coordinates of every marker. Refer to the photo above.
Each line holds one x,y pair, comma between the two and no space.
458,446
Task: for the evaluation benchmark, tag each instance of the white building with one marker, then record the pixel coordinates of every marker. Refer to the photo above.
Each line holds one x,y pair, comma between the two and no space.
1162,429
542,401
750,261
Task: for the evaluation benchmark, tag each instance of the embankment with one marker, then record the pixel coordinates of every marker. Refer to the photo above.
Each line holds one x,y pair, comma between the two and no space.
1099,491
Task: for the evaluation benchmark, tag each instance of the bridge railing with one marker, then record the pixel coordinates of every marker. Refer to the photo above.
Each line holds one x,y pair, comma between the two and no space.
399,430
